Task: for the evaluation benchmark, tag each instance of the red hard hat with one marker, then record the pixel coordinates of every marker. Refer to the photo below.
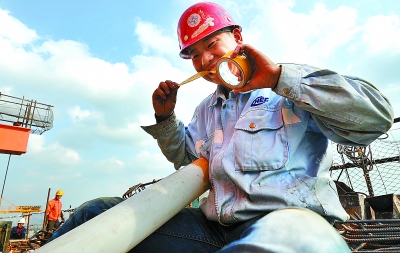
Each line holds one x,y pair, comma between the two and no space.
199,21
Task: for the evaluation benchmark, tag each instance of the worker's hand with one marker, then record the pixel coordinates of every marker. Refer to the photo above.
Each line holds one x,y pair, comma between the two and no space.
63,219
164,98
265,72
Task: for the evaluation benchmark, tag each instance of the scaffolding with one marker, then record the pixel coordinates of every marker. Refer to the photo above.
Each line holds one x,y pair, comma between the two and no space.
26,113
367,180
373,170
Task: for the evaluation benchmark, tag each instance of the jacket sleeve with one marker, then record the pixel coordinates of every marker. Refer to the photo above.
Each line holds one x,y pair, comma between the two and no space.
174,141
13,233
49,207
23,232
348,110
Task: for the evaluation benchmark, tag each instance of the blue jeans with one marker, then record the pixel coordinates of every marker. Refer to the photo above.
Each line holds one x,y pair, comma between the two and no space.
290,230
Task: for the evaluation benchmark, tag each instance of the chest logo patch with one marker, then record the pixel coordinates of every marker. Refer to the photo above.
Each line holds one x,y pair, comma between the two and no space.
259,101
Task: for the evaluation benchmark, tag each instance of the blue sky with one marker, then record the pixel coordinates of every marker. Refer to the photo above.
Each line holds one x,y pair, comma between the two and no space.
98,63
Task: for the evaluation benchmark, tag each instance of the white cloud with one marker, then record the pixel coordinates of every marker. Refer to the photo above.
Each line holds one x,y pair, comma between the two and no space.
123,134
65,65
36,143
63,50
63,155
382,33
332,29
153,40
16,59
299,37
77,114
150,68
54,152
150,161
15,31
150,165
111,165
70,60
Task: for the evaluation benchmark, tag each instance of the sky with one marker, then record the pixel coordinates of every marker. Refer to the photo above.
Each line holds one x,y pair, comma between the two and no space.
98,63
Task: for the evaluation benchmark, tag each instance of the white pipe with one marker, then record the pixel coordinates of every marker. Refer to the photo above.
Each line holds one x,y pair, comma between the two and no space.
125,225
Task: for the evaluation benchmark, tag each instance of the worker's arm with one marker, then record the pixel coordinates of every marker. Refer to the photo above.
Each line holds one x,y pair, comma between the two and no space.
348,110
49,208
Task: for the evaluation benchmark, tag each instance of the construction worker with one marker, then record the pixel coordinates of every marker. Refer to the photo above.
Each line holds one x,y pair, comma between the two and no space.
267,144
19,231
54,212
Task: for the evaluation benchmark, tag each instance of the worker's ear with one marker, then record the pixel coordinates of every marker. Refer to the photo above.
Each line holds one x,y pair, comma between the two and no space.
237,34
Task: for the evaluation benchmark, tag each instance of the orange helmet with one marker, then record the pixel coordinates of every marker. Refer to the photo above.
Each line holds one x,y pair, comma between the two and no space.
199,21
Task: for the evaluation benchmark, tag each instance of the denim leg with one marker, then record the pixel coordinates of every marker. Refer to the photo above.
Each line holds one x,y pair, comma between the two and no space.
188,231
85,212
290,230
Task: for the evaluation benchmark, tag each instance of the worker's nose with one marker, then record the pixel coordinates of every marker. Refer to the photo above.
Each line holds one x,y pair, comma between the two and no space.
206,58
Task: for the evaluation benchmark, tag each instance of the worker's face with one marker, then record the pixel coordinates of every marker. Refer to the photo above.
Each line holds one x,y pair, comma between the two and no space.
206,52
58,196
20,225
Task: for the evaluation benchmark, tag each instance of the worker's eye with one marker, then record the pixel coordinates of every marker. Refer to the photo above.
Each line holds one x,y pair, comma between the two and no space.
211,43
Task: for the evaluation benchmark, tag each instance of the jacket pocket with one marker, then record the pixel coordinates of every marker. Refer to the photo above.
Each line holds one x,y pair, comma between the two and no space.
260,141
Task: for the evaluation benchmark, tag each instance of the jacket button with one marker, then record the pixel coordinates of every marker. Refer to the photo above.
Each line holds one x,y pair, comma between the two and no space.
252,125
286,91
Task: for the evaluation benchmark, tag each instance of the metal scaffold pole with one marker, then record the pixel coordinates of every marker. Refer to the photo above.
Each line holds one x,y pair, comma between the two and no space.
5,177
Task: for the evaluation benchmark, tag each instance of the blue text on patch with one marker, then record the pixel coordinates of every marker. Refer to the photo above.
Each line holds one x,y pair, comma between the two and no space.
259,101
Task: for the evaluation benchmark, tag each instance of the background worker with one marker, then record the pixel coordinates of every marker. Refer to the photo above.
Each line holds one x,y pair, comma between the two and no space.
54,212
267,144
19,231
